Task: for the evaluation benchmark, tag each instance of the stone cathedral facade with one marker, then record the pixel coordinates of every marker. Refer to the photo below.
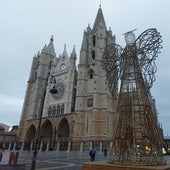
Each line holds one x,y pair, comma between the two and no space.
83,111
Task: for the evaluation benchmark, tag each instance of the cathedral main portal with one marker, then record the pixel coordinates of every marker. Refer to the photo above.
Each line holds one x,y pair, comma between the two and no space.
63,134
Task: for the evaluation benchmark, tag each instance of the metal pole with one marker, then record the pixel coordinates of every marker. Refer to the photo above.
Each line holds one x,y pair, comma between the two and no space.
37,140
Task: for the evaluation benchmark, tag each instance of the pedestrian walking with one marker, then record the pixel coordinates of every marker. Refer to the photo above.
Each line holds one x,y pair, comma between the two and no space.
105,152
92,154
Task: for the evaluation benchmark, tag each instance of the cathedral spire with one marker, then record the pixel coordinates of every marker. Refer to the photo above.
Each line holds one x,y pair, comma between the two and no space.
73,56
99,21
100,4
51,39
73,53
50,47
65,54
44,50
84,42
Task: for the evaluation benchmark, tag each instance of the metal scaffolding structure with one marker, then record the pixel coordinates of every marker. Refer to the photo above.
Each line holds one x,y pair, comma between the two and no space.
137,140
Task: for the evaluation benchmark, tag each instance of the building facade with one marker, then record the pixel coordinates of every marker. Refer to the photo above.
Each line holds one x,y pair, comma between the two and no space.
8,137
83,111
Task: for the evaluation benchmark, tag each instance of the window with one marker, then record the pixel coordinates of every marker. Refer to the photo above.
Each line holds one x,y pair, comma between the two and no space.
94,40
62,109
54,110
58,109
62,66
50,65
90,102
93,54
91,74
49,111
35,116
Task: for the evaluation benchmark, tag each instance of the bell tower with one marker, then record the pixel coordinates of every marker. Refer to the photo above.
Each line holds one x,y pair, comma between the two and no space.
36,86
95,106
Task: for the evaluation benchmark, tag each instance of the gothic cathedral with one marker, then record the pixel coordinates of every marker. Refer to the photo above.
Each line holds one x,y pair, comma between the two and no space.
82,112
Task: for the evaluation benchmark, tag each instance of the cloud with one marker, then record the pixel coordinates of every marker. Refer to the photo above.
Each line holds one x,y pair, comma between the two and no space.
26,26
10,109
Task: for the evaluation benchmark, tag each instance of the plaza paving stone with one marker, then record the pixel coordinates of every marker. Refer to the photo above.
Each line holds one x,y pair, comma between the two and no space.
53,160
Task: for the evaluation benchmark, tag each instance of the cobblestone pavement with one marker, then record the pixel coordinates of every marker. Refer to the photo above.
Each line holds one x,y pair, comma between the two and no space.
52,160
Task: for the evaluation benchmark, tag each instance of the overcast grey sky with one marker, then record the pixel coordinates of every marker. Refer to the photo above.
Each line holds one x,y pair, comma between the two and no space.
26,26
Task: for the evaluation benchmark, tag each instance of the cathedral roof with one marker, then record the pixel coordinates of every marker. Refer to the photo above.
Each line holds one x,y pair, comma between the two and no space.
99,21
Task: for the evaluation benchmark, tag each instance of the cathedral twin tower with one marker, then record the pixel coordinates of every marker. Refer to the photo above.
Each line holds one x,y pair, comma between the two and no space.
82,112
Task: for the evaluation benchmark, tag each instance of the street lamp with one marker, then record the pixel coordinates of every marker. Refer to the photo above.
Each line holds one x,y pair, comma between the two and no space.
37,140
53,81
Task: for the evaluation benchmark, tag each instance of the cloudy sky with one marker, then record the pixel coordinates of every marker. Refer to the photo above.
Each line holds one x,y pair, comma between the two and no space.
26,26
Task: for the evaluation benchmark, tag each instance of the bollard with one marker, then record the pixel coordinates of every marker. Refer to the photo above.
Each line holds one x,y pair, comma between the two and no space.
1,156
13,158
12,162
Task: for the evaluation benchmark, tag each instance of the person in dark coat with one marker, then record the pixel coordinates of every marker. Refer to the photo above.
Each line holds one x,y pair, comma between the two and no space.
105,152
92,154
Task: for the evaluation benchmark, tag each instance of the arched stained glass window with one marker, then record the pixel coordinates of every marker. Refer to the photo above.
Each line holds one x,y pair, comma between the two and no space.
49,111
62,109
58,110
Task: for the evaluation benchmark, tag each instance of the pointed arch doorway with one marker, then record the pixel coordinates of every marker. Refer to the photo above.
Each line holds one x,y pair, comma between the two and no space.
46,135
30,136
63,134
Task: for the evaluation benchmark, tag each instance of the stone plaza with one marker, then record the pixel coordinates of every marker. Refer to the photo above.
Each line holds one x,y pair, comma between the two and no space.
53,160
61,160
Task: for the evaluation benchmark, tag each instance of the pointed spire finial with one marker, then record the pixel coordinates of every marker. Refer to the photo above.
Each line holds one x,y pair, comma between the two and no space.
100,4
88,28
73,51
99,21
65,54
51,39
38,54
50,48
74,47
44,49
73,55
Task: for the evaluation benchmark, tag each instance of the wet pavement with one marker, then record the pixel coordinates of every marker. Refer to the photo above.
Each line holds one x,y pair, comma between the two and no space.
53,160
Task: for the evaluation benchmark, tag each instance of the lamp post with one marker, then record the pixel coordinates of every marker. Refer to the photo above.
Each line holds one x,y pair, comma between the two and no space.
37,140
